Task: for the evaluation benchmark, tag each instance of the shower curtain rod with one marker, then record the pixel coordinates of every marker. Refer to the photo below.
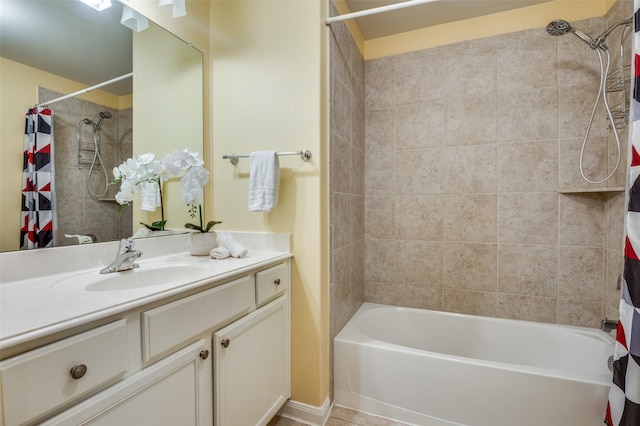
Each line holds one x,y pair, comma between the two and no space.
83,91
376,10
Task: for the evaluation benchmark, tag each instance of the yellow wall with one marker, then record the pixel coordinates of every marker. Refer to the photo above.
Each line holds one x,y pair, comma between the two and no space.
19,86
500,23
269,93
167,89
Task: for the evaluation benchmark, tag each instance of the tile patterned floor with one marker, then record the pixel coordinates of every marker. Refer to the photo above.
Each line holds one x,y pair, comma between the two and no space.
341,416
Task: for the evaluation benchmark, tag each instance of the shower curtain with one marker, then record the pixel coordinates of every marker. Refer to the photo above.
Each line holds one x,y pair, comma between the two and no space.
624,397
38,217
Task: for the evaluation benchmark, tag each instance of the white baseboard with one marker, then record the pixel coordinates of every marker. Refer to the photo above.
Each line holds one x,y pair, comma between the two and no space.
305,413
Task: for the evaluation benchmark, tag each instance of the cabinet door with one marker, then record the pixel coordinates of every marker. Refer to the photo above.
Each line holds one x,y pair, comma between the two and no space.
174,391
252,378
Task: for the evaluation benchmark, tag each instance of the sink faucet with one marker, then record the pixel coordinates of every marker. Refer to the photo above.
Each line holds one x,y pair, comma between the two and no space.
607,325
125,258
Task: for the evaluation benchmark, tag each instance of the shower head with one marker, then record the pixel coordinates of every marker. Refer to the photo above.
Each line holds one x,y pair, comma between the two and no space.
103,115
560,27
96,126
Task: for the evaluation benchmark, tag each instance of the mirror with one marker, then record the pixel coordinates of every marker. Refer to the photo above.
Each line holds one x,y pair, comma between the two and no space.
77,47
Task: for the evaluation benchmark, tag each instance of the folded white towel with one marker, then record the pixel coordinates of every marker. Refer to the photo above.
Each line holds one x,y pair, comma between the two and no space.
235,248
220,252
149,196
264,181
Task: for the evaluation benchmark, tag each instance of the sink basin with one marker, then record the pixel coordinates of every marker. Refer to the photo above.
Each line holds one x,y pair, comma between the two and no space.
144,276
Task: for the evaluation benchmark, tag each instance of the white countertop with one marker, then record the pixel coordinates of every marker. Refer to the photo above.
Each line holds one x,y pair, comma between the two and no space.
43,303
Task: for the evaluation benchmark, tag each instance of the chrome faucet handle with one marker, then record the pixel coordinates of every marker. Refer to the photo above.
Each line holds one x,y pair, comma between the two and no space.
126,245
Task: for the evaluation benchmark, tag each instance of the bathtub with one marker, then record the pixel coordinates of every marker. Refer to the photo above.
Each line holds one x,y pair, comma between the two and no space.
435,368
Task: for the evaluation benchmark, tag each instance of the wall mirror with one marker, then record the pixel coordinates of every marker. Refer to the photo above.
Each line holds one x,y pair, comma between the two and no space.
52,48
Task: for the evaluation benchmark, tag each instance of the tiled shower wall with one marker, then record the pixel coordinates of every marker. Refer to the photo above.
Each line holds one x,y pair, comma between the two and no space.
473,201
347,177
78,211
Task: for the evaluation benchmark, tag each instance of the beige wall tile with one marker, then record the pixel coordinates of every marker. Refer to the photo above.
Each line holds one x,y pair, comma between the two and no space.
340,165
418,263
419,171
379,259
379,173
580,312
575,107
530,166
380,217
380,82
527,59
470,302
529,270
527,308
471,217
470,120
418,297
613,278
470,266
470,169
380,130
340,220
419,217
594,163
528,115
418,126
581,273
528,218
582,219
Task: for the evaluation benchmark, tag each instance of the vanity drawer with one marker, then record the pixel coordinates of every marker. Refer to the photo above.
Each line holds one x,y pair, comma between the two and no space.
169,326
39,381
271,283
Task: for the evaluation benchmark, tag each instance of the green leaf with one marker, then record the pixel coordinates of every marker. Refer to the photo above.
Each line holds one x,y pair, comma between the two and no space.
192,226
210,225
158,225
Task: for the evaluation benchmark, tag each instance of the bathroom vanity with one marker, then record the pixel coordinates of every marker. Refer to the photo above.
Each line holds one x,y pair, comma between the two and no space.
180,340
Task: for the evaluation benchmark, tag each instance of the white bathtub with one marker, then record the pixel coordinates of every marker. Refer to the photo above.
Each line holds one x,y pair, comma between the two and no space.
435,368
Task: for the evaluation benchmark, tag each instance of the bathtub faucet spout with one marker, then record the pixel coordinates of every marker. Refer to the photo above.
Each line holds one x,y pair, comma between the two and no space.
607,325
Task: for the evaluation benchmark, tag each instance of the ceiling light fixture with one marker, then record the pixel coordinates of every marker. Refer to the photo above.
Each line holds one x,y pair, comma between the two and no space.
98,5
179,7
133,20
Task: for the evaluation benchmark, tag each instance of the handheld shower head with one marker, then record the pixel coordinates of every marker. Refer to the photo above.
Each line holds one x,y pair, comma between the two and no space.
103,115
560,27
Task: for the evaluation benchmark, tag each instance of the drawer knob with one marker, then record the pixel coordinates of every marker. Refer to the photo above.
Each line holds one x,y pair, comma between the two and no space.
276,281
204,354
225,343
78,371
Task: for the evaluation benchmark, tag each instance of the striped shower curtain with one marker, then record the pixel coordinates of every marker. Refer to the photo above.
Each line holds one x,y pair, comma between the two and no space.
624,397
38,217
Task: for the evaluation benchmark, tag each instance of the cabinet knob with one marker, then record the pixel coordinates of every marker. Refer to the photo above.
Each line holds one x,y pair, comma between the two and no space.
204,354
225,343
78,371
276,281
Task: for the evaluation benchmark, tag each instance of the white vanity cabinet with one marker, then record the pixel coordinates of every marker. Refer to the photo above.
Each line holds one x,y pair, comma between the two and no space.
165,363
252,357
174,391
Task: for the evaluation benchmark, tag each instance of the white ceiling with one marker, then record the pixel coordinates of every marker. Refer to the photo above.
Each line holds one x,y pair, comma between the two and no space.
426,15
69,39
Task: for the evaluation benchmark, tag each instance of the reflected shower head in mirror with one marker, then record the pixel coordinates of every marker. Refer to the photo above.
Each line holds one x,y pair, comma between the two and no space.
96,127
561,27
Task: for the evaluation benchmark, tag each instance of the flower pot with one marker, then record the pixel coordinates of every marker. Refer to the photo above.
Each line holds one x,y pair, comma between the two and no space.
201,243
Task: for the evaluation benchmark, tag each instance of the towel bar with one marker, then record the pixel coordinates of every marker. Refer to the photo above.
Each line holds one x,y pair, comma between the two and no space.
305,155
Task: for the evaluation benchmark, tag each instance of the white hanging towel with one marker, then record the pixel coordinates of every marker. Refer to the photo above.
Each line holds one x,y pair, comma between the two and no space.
264,181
